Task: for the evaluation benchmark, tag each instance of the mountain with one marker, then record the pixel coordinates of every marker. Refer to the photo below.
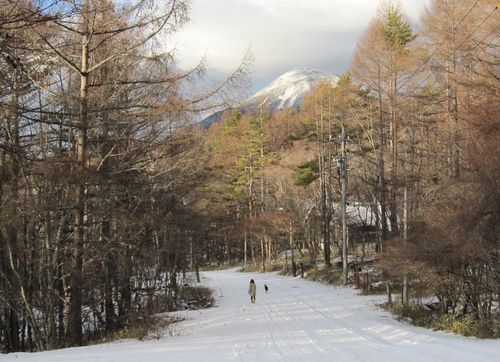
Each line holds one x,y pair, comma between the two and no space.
288,90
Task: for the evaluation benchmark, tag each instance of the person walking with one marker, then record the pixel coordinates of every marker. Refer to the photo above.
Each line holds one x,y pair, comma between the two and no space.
252,290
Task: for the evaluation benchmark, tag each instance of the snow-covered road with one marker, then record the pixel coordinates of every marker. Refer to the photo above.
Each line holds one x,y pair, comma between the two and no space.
296,321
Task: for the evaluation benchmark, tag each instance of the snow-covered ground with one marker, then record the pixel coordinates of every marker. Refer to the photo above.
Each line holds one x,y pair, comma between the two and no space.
296,321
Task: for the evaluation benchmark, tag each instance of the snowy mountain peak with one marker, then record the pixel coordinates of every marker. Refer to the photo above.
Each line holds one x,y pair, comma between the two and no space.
289,89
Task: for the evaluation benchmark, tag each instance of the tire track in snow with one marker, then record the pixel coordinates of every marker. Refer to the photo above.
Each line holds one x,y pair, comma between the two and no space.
311,326
353,333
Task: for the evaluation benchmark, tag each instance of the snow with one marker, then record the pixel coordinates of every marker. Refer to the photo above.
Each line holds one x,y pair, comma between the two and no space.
296,321
289,89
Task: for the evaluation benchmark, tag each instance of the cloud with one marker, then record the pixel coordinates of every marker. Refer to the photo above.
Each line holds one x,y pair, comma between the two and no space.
283,34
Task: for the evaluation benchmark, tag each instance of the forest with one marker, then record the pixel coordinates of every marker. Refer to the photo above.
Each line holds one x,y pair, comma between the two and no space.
110,193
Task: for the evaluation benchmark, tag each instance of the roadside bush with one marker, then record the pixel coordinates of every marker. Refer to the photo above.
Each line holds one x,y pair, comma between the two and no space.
252,268
194,297
456,324
150,324
330,276
218,266
418,315
412,313
142,328
496,329
257,267
466,326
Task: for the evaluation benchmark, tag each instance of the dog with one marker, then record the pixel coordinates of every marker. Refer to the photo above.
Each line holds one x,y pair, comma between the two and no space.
266,288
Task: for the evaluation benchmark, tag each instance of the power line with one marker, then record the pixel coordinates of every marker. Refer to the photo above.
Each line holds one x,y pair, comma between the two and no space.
439,45
455,50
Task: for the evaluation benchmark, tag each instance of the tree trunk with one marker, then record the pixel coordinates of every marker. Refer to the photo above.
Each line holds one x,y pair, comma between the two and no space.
262,249
11,251
405,236
343,179
393,216
110,266
75,322
381,167
290,232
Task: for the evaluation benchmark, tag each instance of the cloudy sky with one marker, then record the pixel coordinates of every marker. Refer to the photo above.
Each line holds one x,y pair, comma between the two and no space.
282,34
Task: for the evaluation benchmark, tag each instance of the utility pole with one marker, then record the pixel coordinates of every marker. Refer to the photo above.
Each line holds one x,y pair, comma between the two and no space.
343,180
